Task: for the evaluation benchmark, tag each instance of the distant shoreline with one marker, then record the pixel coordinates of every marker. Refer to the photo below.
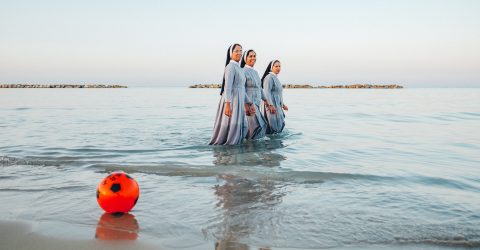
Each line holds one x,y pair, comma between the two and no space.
308,86
61,86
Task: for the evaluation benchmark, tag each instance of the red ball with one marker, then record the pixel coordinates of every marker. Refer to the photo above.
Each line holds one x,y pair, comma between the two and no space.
117,193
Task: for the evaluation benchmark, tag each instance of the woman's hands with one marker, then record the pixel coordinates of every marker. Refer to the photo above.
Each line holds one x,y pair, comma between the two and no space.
228,109
250,109
270,108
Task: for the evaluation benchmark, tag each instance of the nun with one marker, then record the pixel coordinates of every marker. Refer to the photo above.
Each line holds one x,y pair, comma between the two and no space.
273,90
257,125
231,124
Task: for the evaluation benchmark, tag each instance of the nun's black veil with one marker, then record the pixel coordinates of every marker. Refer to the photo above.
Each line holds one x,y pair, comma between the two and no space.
268,69
227,62
243,62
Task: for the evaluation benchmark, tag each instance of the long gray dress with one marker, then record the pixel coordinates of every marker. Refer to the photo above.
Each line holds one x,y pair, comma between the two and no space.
231,130
273,90
257,125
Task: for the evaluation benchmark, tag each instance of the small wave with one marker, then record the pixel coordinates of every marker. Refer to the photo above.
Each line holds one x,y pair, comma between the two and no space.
303,177
19,189
186,107
458,116
443,182
458,241
11,161
126,151
97,150
178,169
470,114
359,115
465,145
22,108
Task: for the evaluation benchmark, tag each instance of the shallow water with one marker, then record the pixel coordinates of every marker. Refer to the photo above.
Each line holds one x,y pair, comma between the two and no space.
354,168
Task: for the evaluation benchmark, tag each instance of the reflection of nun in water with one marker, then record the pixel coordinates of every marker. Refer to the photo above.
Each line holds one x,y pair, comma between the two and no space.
231,122
247,201
247,205
252,153
257,125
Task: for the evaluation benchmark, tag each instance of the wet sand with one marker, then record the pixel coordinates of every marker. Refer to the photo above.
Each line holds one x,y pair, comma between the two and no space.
19,235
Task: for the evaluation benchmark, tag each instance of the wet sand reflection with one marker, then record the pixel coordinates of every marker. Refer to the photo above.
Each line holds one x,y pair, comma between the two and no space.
118,226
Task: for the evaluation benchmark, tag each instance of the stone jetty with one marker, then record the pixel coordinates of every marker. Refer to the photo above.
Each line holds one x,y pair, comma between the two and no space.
309,86
61,86
352,86
206,86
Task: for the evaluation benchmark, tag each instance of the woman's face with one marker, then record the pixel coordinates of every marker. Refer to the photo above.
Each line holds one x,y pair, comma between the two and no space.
251,58
276,67
237,53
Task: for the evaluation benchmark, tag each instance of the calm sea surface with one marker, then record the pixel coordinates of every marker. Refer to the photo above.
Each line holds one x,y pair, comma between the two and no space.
354,168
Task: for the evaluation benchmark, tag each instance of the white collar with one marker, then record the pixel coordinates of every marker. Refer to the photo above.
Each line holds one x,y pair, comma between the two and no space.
271,72
248,66
237,63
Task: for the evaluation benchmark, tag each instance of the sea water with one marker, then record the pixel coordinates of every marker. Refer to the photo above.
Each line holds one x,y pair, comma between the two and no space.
353,168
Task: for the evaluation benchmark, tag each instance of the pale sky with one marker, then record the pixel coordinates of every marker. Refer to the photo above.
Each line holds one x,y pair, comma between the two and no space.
420,43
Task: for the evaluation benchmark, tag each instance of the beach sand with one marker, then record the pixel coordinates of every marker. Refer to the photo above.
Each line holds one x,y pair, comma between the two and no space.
19,235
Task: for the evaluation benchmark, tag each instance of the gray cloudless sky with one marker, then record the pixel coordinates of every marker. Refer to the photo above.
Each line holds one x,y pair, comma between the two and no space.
427,43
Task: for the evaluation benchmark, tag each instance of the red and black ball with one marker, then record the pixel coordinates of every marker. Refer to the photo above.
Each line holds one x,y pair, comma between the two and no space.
118,193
